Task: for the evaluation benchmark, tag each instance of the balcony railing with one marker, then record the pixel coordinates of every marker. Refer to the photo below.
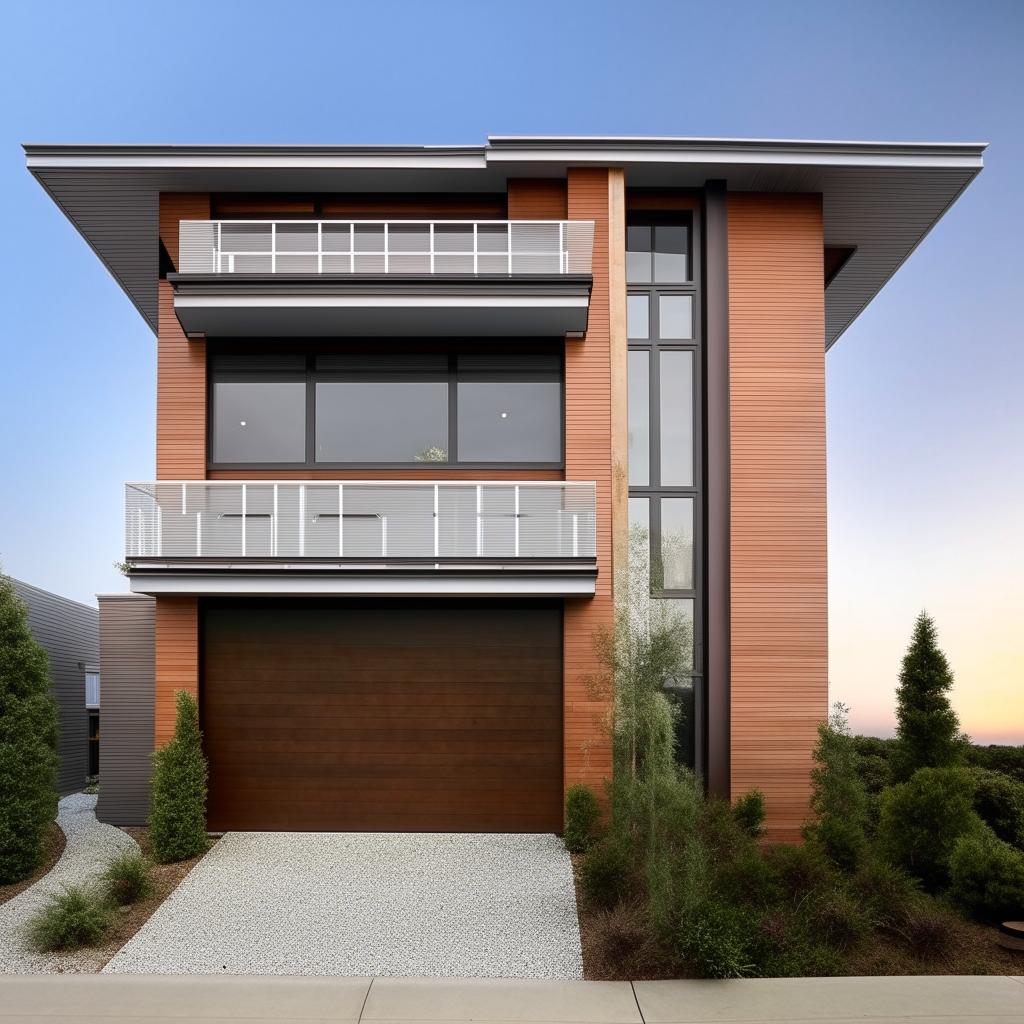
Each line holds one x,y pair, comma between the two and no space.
379,519
385,247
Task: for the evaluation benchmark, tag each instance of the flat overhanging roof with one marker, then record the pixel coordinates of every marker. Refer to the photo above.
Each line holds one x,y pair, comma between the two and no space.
880,198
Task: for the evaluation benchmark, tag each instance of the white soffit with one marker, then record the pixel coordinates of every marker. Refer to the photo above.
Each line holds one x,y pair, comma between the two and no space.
882,198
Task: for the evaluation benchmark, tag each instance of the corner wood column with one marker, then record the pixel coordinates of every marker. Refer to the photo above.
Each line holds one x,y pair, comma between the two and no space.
777,558
717,488
593,193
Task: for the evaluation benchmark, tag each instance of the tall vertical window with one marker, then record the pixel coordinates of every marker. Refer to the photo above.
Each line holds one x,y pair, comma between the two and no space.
664,416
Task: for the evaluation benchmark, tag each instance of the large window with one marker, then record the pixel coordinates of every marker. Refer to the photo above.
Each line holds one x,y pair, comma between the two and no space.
663,323
343,409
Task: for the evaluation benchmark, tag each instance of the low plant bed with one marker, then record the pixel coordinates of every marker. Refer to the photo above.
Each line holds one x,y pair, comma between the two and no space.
55,843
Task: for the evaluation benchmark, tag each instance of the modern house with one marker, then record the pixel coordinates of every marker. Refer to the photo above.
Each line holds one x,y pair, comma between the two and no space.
412,402
69,632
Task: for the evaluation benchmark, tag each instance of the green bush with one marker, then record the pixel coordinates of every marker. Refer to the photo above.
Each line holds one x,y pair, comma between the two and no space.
999,801
607,873
28,743
127,879
838,917
748,810
582,814
887,892
839,800
987,877
715,939
1003,759
177,816
921,821
71,918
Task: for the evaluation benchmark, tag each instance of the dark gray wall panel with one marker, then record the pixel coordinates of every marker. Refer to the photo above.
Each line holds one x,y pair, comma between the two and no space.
69,632
127,679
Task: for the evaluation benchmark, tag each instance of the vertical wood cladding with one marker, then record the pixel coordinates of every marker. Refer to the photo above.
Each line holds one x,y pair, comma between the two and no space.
588,456
181,364
126,673
537,199
177,658
779,647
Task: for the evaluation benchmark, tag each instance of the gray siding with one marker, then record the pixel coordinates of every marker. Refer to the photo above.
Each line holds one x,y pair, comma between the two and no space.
70,634
127,683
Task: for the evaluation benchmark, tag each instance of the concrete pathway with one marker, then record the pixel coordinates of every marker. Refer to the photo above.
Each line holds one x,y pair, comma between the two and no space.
368,904
89,849
90,1000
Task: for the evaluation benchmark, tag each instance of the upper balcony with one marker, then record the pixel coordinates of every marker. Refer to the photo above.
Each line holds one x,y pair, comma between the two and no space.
346,278
361,537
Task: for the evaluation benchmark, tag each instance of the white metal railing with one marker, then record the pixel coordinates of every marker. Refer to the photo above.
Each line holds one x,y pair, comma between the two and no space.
359,519
385,247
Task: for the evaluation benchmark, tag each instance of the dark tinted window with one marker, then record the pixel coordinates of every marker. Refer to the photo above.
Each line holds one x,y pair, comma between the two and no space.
259,421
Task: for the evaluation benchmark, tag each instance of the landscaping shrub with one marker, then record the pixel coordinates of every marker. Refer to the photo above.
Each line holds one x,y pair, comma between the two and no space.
71,918
715,939
748,810
886,891
1003,759
177,817
621,938
921,821
127,879
987,877
924,929
928,733
28,743
999,801
607,874
838,917
582,814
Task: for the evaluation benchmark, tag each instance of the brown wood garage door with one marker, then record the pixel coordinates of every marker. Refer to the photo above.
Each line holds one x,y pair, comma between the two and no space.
384,717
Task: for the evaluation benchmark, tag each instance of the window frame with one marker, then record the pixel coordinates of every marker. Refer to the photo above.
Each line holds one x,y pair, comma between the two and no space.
311,375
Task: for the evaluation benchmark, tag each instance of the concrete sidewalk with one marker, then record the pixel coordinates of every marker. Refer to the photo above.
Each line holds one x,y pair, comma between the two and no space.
141,998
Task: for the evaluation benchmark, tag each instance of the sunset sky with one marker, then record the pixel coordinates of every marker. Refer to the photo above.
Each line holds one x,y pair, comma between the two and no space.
926,420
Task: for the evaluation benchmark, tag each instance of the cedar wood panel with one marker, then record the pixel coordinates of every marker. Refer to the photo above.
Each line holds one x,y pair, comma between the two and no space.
537,199
779,690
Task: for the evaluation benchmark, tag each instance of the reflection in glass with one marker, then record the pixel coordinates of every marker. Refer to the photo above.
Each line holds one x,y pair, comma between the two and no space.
385,421
638,316
259,421
510,421
682,695
638,254
671,244
639,418
675,317
676,394
677,543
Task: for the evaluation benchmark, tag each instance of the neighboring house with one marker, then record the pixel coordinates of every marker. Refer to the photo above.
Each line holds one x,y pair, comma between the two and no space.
411,402
69,632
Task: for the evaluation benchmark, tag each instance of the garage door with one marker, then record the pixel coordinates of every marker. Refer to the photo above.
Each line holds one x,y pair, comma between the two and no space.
432,717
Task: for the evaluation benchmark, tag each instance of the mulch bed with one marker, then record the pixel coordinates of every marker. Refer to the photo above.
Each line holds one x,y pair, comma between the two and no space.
55,843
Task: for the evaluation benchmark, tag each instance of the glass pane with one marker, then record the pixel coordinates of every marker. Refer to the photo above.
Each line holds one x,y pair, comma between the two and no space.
675,317
638,254
639,576
389,421
683,696
676,613
510,421
677,543
671,244
638,316
676,419
639,417
259,422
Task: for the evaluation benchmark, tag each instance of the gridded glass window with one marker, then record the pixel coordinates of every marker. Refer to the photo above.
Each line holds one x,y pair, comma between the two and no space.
675,317
639,418
510,421
658,254
259,421
638,253
638,317
676,394
677,543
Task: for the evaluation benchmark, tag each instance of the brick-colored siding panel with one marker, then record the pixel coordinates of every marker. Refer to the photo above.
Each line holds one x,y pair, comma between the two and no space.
177,659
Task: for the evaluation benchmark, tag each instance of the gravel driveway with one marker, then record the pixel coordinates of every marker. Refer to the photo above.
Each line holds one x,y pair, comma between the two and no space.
90,847
369,904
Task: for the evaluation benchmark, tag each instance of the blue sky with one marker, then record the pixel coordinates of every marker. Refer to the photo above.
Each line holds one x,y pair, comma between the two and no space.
926,430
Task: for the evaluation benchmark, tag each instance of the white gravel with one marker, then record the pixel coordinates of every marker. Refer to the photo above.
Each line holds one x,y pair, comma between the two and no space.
368,904
90,847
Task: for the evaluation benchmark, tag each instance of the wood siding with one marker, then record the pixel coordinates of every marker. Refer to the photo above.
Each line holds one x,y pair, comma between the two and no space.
366,206
588,456
779,651
127,668
181,364
537,199
177,659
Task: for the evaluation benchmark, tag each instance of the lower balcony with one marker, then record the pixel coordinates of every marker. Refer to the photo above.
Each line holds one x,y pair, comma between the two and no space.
379,537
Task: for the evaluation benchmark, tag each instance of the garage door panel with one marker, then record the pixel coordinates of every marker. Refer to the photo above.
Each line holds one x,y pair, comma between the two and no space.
434,717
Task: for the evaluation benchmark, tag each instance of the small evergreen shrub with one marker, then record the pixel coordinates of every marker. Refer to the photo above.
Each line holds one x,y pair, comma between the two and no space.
838,918
999,801
715,940
987,877
606,876
924,928
839,800
921,821
127,879
71,918
748,810
177,817
887,891
28,743
582,814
